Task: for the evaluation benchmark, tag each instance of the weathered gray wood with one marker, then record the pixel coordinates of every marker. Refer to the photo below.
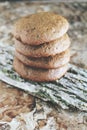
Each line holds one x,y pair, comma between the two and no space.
70,92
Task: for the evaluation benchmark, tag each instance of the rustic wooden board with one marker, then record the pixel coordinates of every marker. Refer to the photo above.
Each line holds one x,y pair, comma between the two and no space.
70,92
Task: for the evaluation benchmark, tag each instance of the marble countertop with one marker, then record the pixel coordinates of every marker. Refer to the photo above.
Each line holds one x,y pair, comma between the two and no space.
19,110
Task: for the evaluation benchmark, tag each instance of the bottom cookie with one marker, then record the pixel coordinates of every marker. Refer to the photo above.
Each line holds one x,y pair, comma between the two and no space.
37,74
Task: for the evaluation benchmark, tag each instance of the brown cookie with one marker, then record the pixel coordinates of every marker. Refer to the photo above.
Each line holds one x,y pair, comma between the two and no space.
44,50
36,74
50,62
39,28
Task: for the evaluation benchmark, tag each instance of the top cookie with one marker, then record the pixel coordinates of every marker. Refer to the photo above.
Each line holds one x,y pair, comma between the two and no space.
39,28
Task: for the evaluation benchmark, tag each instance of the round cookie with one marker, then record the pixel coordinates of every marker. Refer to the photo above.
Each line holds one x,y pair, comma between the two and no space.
50,62
44,50
39,28
40,75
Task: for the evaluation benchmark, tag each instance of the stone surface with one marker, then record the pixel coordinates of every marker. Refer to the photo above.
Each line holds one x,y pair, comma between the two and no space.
21,111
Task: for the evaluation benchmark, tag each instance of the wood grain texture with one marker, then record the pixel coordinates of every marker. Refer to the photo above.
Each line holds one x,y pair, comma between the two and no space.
70,92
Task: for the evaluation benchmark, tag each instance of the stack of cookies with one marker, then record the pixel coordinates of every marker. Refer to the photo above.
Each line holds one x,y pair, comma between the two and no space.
42,47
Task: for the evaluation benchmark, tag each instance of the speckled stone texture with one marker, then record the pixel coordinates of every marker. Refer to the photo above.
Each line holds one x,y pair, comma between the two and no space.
37,115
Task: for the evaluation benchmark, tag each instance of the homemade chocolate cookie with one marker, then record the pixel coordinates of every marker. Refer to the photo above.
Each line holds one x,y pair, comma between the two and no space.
39,28
40,75
44,50
50,62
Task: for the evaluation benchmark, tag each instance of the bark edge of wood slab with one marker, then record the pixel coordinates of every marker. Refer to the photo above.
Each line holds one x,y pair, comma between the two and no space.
70,92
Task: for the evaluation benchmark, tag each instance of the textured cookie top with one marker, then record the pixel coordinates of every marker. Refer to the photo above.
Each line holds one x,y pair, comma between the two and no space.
39,28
